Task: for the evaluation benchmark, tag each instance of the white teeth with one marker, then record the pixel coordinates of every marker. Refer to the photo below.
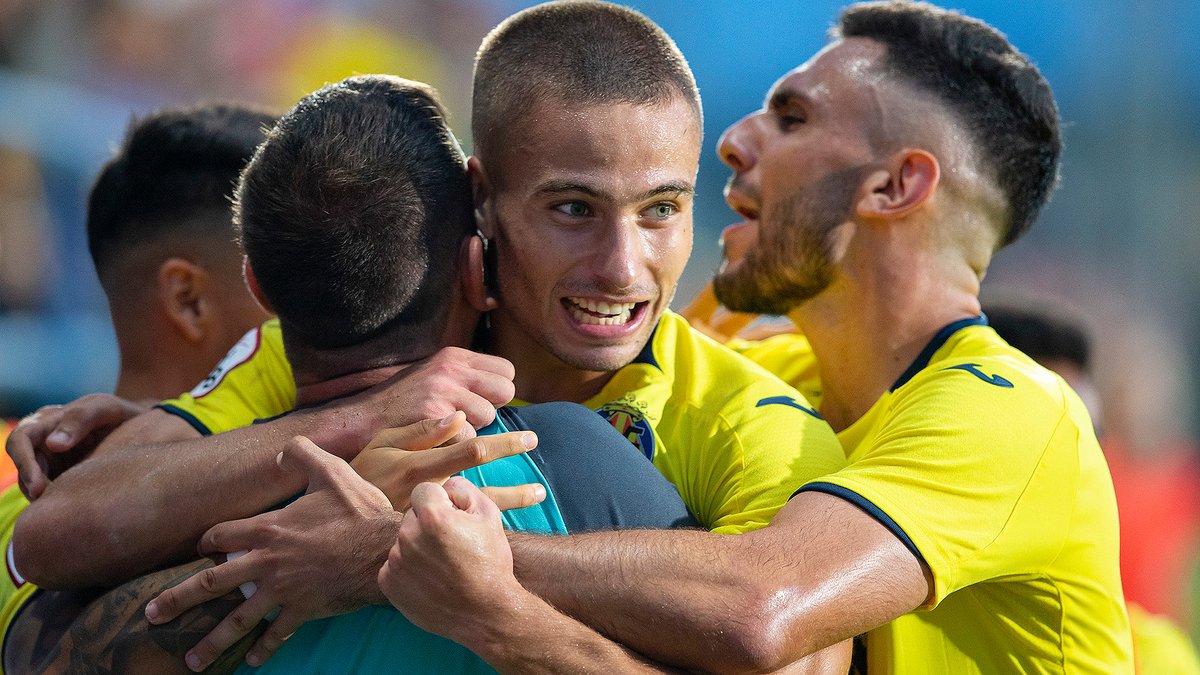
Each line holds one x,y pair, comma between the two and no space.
617,313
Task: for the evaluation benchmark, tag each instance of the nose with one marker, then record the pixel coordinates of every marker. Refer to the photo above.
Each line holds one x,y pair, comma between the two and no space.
620,256
736,145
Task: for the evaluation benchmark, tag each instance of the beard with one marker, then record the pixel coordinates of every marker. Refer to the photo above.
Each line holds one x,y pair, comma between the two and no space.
793,259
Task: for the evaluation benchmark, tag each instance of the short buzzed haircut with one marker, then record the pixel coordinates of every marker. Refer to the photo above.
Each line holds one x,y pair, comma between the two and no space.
577,51
351,215
172,178
991,87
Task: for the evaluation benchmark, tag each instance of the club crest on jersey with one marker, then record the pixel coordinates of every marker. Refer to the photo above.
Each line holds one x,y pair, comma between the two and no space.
237,355
628,416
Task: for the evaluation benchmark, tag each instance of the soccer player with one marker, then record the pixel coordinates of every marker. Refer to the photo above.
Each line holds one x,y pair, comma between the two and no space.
161,239
974,528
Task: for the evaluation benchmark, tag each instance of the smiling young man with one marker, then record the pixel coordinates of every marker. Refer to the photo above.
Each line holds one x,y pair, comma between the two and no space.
974,529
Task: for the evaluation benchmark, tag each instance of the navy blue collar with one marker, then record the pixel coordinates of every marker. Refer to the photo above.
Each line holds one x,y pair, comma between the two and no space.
647,354
935,344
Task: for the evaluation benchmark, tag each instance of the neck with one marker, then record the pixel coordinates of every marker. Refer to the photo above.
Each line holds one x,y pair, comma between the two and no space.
542,377
344,385
147,375
866,329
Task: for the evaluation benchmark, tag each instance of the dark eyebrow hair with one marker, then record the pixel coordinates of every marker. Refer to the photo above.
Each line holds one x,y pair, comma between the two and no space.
784,96
672,187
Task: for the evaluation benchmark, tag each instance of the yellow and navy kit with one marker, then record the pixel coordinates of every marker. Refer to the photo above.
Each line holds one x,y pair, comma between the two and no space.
253,382
985,465
15,591
732,438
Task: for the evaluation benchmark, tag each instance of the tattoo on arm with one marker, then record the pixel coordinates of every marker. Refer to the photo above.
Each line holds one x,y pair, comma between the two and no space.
111,635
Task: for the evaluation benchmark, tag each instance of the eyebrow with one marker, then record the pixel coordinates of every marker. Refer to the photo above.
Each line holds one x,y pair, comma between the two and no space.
564,186
783,97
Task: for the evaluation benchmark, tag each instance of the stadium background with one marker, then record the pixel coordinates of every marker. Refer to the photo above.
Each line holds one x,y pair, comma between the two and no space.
1119,241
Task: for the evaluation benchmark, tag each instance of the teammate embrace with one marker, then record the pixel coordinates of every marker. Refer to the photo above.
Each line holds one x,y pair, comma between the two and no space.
922,484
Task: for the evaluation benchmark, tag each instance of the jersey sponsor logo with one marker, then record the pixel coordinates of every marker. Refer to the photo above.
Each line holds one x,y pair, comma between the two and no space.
239,354
17,580
973,368
789,402
628,416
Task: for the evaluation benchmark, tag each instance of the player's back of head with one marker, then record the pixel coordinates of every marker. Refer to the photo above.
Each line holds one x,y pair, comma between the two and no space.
351,215
574,52
993,90
169,187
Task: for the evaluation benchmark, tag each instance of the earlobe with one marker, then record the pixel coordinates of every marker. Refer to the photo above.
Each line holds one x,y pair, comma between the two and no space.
905,185
181,295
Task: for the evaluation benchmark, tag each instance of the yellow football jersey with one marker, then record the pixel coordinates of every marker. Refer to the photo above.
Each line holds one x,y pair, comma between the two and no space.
734,439
986,466
787,356
14,589
253,382
1159,646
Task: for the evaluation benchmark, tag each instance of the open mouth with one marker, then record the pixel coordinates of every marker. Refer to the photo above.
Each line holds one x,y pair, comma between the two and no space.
600,313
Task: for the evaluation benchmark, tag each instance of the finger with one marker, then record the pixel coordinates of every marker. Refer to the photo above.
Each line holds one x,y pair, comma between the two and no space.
31,475
305,458
236,535
205,585
427,498
480,411
495,389
279,630
420,435
465,496
232,628
84,416
517,496
451,459
489,362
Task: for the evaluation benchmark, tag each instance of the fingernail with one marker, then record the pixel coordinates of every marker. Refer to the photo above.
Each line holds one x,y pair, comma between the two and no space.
151,612
529,440
59,437
253,660
193,662
446,420
279,459
539,492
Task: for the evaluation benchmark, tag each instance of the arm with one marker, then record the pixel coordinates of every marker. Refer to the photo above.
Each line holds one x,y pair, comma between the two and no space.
111,635
822,572
140,507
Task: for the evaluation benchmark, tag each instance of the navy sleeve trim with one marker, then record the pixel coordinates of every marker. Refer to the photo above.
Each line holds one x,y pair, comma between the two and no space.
864,504
186,417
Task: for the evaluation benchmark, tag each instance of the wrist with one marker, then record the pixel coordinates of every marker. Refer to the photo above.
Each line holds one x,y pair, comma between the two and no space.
508,622
342,428
388,532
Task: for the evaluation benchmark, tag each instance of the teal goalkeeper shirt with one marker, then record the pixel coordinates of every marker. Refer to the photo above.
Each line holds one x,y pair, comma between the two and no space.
379,639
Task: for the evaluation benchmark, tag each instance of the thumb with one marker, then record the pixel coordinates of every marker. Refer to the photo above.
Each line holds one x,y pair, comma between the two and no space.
312,465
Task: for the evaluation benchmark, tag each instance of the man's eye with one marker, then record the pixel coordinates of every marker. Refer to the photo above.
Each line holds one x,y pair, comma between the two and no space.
790,121
663,210
574,209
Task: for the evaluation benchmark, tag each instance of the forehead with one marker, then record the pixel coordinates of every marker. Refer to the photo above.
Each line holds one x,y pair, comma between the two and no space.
609,145
844,77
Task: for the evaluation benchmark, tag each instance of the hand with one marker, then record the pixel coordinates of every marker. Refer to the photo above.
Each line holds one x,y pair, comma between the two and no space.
398,459
451,569
56,437
317,557
452,379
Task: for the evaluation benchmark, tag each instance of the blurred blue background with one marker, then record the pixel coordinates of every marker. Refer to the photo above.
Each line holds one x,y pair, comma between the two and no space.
1119,242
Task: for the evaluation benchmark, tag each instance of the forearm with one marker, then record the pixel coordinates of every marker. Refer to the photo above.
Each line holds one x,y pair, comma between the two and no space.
533,637
112,634
705,605
142,507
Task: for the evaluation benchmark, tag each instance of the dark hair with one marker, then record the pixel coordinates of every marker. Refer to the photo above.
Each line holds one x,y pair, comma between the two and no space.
352,211
172,167
1042,332
993,89
579,51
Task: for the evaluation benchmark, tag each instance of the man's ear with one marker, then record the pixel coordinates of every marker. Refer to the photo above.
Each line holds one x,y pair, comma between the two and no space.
472,278
904,184
182,288
255,289
481,189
